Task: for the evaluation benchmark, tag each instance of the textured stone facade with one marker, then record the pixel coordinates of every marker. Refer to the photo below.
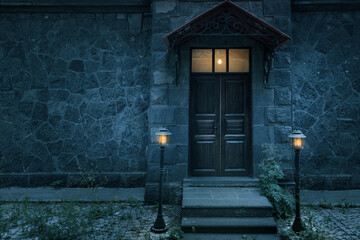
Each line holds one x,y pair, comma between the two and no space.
326,79
85,93
74,94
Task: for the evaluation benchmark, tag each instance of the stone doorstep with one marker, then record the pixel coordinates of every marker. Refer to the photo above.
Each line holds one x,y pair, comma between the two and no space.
211,236
221,182
229,225
223,197
227,212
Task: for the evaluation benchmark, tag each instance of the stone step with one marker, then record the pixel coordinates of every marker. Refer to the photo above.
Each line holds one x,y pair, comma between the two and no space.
221,182
255,225
233,236
224,202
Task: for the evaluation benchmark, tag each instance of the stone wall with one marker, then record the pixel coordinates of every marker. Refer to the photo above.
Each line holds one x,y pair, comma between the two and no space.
326,99
74,94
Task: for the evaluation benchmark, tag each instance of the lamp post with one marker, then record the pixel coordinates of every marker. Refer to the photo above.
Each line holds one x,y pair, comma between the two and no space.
297,141
162,138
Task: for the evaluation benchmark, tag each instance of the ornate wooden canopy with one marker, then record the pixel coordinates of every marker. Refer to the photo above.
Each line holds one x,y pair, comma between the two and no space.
228,19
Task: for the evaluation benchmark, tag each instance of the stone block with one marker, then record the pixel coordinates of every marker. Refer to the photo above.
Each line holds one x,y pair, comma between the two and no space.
279,78
46,133
258,115
338,182
182,116
160,59
108,94
46,180
283,114
158,43
152,192
283,96
161,25
263,97
135,22
134,180
42,95
40,111
153,154
179,134
77,65
282,134
270,116
107,79
14,180
283,23
277,7
121,16
178,97
161,115
177,172
304,120
159,95
163,76
147,23
314,182
282,60
165,6
263,134
72,114
95,109
181,154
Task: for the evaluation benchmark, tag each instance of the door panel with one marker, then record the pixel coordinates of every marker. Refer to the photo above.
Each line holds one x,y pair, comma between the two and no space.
204,132
234,112
219,126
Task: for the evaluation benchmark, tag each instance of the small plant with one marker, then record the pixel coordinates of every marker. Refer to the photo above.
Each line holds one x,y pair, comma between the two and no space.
175,232
133,201
147,236
282,200
324,204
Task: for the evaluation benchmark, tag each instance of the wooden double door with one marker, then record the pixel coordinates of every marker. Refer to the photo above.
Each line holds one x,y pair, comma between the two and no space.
220,128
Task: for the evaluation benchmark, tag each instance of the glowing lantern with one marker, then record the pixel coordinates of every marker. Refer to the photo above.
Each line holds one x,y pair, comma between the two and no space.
297,139
163,136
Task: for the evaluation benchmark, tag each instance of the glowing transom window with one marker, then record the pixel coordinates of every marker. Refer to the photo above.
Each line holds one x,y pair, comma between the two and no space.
232,60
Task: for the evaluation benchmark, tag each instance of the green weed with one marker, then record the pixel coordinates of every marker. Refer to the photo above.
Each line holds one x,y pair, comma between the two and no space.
282,200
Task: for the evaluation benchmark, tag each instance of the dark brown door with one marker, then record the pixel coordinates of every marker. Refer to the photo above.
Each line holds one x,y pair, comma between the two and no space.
220,125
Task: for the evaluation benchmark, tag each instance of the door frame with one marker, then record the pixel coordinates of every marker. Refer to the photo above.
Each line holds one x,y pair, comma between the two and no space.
250,105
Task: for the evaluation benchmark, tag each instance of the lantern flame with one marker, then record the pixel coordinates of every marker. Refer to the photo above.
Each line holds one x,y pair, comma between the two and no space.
163,139
298,143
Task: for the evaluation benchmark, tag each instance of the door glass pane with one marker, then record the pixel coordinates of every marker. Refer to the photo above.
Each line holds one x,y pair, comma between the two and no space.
238,60
201,60
220,60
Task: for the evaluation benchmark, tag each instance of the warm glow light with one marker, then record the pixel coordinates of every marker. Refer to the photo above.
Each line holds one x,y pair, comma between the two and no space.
219,61
163,139
297,143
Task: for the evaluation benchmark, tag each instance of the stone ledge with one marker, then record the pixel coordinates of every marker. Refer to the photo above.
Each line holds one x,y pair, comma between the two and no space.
325,5
74,2
73,180
48,6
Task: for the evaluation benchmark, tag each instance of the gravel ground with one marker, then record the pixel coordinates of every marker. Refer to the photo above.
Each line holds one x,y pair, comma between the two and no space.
86,221
338,222
328,223
132,221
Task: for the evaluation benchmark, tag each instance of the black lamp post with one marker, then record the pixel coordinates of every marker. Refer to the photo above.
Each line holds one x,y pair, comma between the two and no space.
162,138
297,138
